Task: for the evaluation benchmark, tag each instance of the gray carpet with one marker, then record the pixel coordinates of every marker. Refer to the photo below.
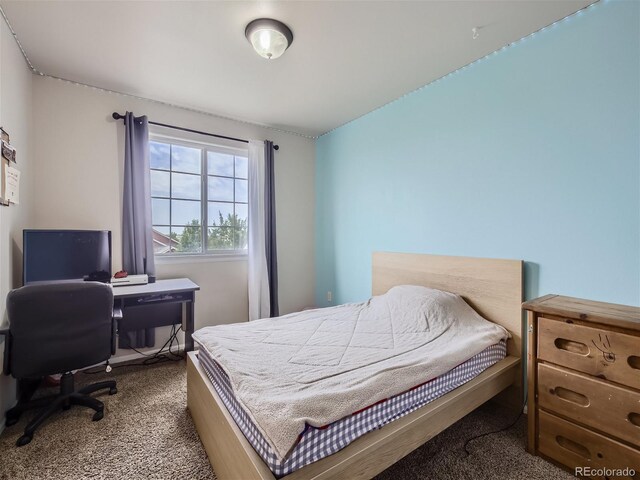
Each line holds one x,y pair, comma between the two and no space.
147,433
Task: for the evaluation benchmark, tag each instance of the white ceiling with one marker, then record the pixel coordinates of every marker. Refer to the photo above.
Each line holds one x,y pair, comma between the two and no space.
347,57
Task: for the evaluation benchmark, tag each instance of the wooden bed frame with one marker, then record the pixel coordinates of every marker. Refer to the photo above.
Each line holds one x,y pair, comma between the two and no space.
493,287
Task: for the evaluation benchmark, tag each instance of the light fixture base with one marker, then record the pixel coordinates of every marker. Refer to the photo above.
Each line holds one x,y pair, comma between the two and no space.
269,38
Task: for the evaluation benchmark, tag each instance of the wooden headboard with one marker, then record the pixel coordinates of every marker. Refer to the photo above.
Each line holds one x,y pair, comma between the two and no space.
492,287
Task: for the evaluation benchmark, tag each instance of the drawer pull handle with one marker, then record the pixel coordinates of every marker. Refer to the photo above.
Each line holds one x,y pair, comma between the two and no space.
634,362
634,418
571,346
571,396
573,447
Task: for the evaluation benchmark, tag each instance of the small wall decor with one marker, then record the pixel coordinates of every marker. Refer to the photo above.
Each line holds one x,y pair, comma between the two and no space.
9,174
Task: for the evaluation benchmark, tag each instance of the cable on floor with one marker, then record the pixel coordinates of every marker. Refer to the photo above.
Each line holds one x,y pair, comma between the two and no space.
466,444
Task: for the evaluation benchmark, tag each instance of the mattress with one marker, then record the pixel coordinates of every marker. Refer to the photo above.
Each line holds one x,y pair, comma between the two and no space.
316,443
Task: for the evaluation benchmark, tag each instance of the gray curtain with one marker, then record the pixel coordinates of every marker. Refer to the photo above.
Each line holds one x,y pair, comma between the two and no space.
137,238
270,227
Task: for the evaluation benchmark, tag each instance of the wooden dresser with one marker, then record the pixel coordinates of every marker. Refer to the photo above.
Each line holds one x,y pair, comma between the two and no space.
584,384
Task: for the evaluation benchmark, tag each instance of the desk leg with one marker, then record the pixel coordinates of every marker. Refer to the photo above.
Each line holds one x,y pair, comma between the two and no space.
188,340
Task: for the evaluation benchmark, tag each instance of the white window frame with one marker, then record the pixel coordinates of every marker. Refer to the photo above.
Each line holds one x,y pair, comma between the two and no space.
204,147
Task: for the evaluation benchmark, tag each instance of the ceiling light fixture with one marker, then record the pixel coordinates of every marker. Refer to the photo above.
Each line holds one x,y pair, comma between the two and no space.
270,38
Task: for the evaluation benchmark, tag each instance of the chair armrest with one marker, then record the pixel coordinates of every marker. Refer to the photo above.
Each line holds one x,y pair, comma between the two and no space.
4,331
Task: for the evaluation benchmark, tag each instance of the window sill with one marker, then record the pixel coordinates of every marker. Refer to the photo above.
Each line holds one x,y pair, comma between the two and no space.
200,258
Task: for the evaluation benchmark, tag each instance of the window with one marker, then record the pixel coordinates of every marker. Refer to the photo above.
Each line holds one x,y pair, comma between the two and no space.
194,185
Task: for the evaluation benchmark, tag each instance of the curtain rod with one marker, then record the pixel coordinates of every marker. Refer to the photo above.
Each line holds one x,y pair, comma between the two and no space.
118,116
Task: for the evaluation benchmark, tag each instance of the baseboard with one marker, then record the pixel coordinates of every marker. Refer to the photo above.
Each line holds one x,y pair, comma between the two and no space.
131,356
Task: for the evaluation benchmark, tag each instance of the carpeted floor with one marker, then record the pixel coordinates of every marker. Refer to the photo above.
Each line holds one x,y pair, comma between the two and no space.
147,433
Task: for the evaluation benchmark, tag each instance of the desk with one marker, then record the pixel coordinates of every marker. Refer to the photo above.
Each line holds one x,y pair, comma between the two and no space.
170,291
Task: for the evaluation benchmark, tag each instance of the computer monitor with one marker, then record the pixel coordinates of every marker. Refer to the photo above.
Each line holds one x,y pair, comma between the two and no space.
66,255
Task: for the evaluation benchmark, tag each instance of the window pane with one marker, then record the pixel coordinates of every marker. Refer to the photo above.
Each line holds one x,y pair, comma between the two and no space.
185,212
160,211
189,238
162,240
241,190
185,159
220,164
185,186
159,183
160,230
221,238
221,189
216,210
159,155
240,238
242,213
242,167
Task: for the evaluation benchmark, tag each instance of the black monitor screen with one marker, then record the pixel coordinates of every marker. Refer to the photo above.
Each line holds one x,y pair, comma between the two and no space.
65,254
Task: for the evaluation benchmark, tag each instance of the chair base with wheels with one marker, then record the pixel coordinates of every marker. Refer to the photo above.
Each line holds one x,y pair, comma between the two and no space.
67,397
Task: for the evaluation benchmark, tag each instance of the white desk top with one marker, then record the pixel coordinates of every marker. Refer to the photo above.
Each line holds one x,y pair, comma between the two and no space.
171,285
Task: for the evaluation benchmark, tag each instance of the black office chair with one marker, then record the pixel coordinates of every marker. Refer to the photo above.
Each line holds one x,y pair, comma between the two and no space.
57,328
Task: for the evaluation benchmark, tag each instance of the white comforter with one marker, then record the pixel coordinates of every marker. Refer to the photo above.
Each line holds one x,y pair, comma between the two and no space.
318,366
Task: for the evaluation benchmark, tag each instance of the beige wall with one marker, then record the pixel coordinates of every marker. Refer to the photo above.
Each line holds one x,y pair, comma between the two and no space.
15,117
79,158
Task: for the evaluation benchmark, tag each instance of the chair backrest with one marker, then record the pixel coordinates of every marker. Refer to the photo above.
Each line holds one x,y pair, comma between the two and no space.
57,327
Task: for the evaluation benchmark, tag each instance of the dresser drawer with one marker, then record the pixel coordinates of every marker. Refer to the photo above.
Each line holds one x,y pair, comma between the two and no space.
601,405
602,353
576,446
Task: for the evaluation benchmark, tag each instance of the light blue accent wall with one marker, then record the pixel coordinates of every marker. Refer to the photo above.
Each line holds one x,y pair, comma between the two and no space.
532,153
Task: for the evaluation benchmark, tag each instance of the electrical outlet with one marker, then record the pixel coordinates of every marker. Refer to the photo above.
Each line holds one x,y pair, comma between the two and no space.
329,296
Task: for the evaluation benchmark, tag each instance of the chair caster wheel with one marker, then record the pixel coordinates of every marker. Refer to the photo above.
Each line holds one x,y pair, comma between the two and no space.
23,440
98,415
113,391
11,421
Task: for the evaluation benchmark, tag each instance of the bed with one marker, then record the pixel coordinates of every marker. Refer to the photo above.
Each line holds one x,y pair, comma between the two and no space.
492,287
